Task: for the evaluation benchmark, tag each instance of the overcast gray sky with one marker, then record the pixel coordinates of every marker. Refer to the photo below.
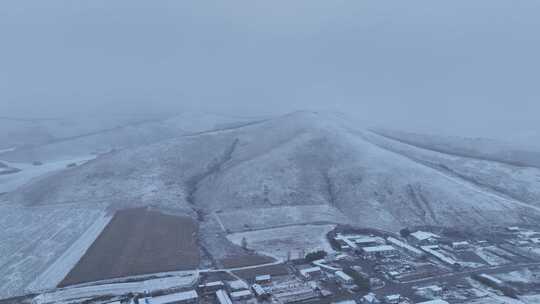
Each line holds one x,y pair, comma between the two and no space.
456,65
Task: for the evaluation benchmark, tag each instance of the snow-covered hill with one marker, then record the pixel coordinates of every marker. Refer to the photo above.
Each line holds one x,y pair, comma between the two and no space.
58,139
298,159
299,169
509,152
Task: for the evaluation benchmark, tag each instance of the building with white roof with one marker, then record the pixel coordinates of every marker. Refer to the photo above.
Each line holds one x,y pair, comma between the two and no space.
381,250
211,287
344,278
241,295
423,237
174,298
392,299
461,245
308,273
370,298
432,250
410,249
223,297
263,279
345,302
259,291
364,241
436,301
237,285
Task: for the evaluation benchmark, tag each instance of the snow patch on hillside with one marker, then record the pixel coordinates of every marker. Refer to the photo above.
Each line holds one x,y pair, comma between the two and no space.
279,242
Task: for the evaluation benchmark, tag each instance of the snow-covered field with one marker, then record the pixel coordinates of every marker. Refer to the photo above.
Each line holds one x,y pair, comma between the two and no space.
248,219
56,272
69,294
278,242
35,237
29,172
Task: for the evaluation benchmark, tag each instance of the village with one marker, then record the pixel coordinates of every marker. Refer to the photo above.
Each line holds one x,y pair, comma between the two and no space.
369,266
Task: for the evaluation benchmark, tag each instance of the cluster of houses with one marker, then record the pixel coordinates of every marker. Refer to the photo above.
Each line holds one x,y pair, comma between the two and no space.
304,286
225,293
422,243
524,237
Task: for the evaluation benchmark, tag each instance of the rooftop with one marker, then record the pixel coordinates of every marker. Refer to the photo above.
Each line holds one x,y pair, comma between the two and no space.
311,269
240,293
404,245
437,301
343,275
423,235
238,284
380,248
171,298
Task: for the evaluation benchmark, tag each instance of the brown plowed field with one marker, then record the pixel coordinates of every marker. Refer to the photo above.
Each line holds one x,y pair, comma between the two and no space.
135,242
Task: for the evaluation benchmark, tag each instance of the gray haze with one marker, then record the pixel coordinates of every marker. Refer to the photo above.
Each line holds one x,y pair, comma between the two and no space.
464,67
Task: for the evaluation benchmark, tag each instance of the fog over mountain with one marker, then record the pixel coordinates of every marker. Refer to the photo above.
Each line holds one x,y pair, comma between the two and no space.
465,67
148,147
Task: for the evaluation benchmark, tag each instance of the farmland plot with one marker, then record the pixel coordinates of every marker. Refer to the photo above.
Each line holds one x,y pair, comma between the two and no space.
34,237
136,242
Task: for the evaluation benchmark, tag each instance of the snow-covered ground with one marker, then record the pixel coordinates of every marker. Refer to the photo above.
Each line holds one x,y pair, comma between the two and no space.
56,272
35,237
248,219
302,168
278,242
29,172
69,294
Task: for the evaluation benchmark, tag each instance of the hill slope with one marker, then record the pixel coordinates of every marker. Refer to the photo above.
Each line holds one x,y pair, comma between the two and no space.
295,160
299,169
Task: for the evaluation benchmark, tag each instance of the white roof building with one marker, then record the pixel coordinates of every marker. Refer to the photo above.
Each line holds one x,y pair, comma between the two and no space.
342,276
381,250
394,298
463,244
423,235
238,285
370,298
242,294
262,278
180,297
404,246
223,297
308,272
437,301
365,240
345,302
214,284
259,291
433,251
